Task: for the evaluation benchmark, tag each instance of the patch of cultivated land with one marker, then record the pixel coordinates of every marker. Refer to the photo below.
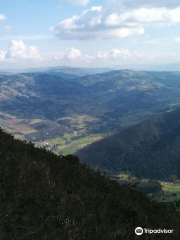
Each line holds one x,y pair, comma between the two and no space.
74,134
70,143
171,192
34,121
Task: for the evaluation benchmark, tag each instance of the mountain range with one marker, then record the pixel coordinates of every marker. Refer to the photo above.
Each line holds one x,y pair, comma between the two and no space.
66,71
69,113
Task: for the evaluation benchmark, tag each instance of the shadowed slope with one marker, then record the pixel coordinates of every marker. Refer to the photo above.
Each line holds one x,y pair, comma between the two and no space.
44,196
150,149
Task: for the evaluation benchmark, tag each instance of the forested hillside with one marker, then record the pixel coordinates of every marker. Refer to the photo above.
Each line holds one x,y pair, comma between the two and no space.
43,196
150,149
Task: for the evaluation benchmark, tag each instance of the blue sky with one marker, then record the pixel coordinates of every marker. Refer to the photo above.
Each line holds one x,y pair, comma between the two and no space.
90,33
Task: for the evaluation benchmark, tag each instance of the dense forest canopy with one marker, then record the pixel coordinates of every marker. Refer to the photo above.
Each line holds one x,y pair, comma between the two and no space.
150,149
44,196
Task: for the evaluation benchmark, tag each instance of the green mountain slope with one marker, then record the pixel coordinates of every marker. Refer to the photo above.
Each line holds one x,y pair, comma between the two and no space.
43,196
150,149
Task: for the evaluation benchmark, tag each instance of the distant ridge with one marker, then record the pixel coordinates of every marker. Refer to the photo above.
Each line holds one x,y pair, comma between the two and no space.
77,71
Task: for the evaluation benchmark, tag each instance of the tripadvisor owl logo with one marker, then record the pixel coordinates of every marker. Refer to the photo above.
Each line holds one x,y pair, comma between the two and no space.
138,231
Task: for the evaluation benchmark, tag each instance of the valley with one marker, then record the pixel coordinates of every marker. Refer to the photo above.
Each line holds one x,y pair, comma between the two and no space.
67,109
123,123
66,115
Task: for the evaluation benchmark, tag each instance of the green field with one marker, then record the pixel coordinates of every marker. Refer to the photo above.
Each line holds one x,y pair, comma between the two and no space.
171,192
174,187
70,143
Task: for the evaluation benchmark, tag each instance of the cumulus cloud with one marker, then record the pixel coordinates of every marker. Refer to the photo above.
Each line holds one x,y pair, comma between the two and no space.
115,54
19,50
76,2
127,56
20,53
73,54
145,16
118,20
88,58
2,17
92,23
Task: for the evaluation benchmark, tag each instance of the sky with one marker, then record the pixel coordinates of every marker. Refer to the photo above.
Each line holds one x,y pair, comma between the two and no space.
88,33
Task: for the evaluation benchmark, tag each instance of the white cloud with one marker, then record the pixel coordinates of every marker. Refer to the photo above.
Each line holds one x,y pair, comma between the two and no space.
107,22
123,54
127,56
89,58
73,54
92,23
18,50
145,16
76,2
115,54
2,17
2,55
177,39
118,53
20,54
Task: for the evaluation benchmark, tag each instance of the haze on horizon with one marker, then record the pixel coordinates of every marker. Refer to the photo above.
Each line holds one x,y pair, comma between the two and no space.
88,33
